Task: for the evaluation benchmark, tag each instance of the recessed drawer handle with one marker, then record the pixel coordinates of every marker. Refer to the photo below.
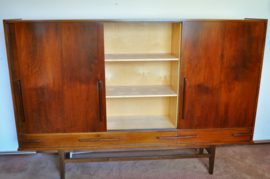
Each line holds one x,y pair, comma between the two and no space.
178,137
97,139
115,139
31,141
89,140
241,134
186,136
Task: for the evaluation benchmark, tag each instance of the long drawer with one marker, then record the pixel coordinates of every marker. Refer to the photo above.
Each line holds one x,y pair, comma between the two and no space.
134,138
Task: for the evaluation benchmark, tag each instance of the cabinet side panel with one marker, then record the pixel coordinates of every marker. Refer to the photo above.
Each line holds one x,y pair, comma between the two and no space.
14,75
175,70
39,56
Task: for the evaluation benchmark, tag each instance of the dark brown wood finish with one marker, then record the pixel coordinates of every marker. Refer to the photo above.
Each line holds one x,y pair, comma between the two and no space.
135,139
212,151
60,65
221,62
61,154
62,159
200,66
40,68
240,72
83,67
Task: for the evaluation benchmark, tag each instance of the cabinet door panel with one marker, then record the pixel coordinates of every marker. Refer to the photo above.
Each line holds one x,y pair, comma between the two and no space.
39,59
83,66
221,62
200,66
240,73
60,65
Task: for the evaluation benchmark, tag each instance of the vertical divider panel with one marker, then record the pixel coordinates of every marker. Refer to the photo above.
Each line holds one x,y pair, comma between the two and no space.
175,71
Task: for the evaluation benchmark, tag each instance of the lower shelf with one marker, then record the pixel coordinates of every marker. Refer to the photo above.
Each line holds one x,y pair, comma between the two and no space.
139,91
139,122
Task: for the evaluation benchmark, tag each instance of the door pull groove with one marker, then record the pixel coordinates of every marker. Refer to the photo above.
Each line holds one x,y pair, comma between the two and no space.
100,86
21,100
183,102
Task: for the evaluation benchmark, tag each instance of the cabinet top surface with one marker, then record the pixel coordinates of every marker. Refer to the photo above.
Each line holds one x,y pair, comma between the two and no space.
132,20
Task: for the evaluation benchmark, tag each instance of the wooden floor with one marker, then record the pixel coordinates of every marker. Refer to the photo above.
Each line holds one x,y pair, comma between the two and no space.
245,161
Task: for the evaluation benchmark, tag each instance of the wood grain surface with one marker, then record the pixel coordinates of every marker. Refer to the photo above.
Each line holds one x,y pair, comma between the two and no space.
221,63
60,64
134,139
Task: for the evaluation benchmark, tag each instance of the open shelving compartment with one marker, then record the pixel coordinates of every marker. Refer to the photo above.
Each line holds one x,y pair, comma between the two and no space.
142,69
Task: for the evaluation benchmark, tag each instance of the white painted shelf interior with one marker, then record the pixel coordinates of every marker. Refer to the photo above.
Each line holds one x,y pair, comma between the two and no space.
139,91
140,57
139,122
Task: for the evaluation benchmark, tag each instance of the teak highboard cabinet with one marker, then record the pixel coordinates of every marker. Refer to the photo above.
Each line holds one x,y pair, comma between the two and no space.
111,85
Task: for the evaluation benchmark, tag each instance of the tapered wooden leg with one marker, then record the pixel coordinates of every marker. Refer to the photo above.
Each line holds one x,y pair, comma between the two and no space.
61,154
212,152
201,151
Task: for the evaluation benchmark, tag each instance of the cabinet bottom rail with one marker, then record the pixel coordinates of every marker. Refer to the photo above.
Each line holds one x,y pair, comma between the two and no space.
111,159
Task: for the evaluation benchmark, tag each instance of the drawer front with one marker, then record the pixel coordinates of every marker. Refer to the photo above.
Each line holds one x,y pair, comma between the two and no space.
58,140
215,135
138,138
134,138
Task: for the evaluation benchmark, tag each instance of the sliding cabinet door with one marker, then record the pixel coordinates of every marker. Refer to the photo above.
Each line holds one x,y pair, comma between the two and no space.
61,75
200,74
220,72
240,73
84,76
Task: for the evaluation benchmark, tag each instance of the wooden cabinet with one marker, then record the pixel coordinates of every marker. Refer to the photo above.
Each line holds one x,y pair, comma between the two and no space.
90,84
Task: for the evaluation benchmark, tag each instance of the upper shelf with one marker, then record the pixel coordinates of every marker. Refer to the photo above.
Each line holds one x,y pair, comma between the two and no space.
139,91
140,57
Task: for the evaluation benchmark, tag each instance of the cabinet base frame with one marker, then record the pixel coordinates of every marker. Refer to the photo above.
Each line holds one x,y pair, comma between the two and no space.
64,158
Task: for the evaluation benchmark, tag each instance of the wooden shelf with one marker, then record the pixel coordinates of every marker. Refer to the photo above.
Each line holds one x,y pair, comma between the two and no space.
139,91
140,57
139,122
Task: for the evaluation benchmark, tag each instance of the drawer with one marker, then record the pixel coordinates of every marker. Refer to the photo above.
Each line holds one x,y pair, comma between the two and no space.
138,138
58,140
215,135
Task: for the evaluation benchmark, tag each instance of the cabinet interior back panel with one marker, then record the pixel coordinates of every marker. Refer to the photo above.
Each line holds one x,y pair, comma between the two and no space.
138,106
137,73
137,37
